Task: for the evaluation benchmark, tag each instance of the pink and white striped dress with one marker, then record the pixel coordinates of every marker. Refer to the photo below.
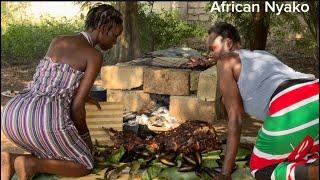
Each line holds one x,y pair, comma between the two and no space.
38,118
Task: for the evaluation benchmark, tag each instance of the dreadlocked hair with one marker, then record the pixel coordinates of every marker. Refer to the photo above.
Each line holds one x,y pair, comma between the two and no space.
102,14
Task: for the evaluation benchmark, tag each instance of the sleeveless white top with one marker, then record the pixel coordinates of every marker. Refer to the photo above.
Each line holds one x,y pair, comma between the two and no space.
261,74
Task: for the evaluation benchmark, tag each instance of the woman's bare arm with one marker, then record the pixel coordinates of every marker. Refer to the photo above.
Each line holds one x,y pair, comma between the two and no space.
78,113
233,103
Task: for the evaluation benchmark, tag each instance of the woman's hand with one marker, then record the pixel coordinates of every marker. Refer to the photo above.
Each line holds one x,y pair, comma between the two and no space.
193,62
204,61
94,102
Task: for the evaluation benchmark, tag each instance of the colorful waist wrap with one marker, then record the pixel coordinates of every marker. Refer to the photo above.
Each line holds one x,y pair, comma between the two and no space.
290,134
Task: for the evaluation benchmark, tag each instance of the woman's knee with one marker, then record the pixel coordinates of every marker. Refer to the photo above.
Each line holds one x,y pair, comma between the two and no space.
86,170
265,173
307,171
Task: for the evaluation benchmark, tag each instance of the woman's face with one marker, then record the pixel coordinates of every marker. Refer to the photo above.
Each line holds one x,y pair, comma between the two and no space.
217,45
109,38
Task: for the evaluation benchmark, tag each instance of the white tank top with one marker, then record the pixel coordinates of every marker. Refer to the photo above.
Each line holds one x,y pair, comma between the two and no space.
261,74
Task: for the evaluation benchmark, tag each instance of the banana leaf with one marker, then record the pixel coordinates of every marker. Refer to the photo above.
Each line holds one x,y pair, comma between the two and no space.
173,173
116,156
134,168
242,174
152,172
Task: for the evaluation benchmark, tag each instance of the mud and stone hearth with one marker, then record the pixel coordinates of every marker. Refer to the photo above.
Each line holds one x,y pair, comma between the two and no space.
191,91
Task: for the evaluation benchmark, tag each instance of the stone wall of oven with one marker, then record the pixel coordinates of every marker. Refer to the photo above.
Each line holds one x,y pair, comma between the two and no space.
192,92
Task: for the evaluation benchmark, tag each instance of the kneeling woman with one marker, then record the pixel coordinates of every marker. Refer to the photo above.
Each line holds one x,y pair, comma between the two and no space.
47,118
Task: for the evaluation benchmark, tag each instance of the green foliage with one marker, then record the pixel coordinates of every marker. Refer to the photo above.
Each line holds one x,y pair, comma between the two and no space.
152,172
294,23
311,18
116,156
281,27
23,43
165,29
209,159
307,45
13,12
173,173
243,22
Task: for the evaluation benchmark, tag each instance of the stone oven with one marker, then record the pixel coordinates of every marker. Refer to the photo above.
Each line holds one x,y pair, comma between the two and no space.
157,79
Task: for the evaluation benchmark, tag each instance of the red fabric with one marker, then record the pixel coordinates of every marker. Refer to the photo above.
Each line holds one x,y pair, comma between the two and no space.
301,150
293,97
304,149
257,162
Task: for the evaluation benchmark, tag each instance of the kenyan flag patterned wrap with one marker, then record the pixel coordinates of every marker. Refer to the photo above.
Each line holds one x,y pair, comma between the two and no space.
290,134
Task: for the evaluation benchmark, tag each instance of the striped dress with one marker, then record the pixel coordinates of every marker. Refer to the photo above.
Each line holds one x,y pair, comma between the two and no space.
38,118
290,134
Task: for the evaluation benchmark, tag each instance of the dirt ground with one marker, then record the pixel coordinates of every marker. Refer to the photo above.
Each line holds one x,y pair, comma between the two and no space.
16,78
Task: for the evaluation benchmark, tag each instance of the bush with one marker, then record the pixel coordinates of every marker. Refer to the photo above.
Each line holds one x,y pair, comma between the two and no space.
23,43
281,27
165,29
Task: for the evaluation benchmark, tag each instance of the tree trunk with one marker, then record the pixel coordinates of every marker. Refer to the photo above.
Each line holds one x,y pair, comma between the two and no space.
128,45
317,29
152,30
129,40
260,26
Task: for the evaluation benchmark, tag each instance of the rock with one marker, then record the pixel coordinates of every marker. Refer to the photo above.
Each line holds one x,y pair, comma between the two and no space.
204,17
201,11
134,100
194,80
185,108
122,76
193,17
207,85
167,62
194,4
166,81
175,52
137,62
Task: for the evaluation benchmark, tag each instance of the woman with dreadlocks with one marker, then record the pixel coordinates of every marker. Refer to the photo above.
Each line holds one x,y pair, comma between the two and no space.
47,118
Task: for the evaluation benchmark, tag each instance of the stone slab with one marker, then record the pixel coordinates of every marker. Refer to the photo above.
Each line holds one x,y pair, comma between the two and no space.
122,76
185,108
134,100
207,85
166,81
166,62
194,80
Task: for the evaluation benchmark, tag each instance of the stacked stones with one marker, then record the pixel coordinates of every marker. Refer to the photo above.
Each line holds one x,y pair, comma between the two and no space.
192,93
191,11
196,11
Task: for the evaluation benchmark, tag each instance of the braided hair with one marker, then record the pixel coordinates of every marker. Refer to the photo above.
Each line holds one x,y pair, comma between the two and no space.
102,14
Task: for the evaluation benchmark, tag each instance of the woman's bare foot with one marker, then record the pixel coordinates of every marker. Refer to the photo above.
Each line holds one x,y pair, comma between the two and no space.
7,168
24,167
